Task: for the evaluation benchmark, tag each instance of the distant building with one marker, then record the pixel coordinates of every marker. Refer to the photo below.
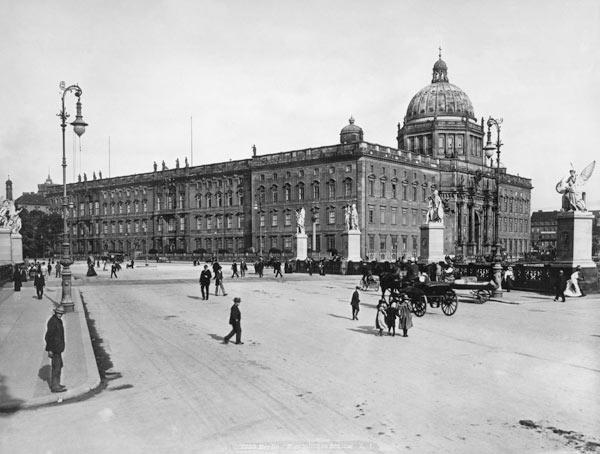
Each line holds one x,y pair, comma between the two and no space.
250,204
32,201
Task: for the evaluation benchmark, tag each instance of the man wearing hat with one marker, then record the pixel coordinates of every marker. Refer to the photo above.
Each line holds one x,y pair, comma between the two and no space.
55,346
235,320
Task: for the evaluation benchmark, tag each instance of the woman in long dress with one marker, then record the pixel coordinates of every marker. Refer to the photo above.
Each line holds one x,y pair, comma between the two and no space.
573,284
380,319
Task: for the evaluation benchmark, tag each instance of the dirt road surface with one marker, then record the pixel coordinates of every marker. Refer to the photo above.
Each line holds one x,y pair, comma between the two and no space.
520,375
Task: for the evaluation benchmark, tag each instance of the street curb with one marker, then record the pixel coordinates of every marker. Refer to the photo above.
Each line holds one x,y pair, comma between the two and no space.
93,375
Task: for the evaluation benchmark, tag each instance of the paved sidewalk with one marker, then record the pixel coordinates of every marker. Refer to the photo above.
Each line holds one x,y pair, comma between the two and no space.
24,364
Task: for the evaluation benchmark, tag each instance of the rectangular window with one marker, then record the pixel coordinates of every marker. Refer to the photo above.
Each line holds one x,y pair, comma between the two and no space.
208,223
105,228
145,206
274,220
261,220
331,216
181,199
348,189
404,216
182,224
382,188
287,219
414,193
371,188
198,223
287,243
414,217
371,215
331,189
394,193
228,222
404,192
96,208
382,215
394,215
81,209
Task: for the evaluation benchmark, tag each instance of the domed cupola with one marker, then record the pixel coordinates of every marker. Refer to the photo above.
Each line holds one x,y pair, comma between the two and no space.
351,133
440,121
440,98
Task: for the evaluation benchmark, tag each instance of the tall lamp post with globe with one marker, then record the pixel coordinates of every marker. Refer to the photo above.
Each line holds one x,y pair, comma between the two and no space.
79,128
489,150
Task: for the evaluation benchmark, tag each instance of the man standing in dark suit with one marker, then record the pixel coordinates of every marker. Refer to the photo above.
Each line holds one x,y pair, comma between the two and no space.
355,303
55,346
235,320
205,277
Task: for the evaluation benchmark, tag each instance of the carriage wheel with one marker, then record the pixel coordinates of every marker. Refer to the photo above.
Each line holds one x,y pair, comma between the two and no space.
450,303
482,296
419,304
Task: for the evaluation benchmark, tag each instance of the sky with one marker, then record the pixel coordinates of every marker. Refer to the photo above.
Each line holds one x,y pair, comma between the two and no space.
163,80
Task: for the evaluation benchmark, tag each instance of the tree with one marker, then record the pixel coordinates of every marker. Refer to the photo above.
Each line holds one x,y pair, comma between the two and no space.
41,232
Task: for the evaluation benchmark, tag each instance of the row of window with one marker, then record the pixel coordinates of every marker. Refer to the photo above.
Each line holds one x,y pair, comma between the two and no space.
316,171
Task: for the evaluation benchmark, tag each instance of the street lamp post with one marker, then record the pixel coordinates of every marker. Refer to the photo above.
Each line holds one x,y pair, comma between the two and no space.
79,128
258,208
489,149
145,225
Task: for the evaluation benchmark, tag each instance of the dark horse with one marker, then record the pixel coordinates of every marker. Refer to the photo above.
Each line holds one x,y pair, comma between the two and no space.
390,281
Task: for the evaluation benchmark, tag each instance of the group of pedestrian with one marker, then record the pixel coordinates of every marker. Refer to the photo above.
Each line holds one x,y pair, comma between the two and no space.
387,313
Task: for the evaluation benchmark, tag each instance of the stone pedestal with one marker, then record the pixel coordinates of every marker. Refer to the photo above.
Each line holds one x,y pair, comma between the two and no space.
5,247
574,238
17,247
432,243
352,242
11,247
301,246
574,246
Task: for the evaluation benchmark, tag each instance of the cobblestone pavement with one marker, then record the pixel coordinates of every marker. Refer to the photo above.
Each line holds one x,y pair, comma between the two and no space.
511,376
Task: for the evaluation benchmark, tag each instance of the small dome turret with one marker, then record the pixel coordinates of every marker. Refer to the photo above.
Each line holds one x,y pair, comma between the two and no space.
351,133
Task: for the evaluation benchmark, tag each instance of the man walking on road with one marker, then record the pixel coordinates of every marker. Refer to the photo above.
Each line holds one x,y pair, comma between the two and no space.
354,303
39,282
235,320
55,346
560,285
205,277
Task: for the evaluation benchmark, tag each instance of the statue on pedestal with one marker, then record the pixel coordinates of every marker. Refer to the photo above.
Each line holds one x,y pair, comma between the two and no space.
353,217
300,214
570,188
435,211
347,221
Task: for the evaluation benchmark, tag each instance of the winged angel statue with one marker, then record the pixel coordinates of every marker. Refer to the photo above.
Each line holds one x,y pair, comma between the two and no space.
570,188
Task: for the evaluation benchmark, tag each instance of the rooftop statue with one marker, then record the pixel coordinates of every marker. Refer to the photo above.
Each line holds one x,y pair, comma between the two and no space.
570,188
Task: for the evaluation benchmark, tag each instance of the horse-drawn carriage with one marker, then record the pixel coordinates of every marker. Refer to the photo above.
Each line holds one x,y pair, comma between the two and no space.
420,293
436,294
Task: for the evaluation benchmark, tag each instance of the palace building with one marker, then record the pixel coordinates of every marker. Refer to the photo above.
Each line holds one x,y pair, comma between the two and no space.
249,204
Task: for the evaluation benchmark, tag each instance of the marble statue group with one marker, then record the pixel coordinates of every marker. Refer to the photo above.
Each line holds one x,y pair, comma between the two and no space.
9,216
351,217
300,214
570,188
435,210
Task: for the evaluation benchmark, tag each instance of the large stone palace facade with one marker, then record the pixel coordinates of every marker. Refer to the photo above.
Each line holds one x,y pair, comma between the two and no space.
250,204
